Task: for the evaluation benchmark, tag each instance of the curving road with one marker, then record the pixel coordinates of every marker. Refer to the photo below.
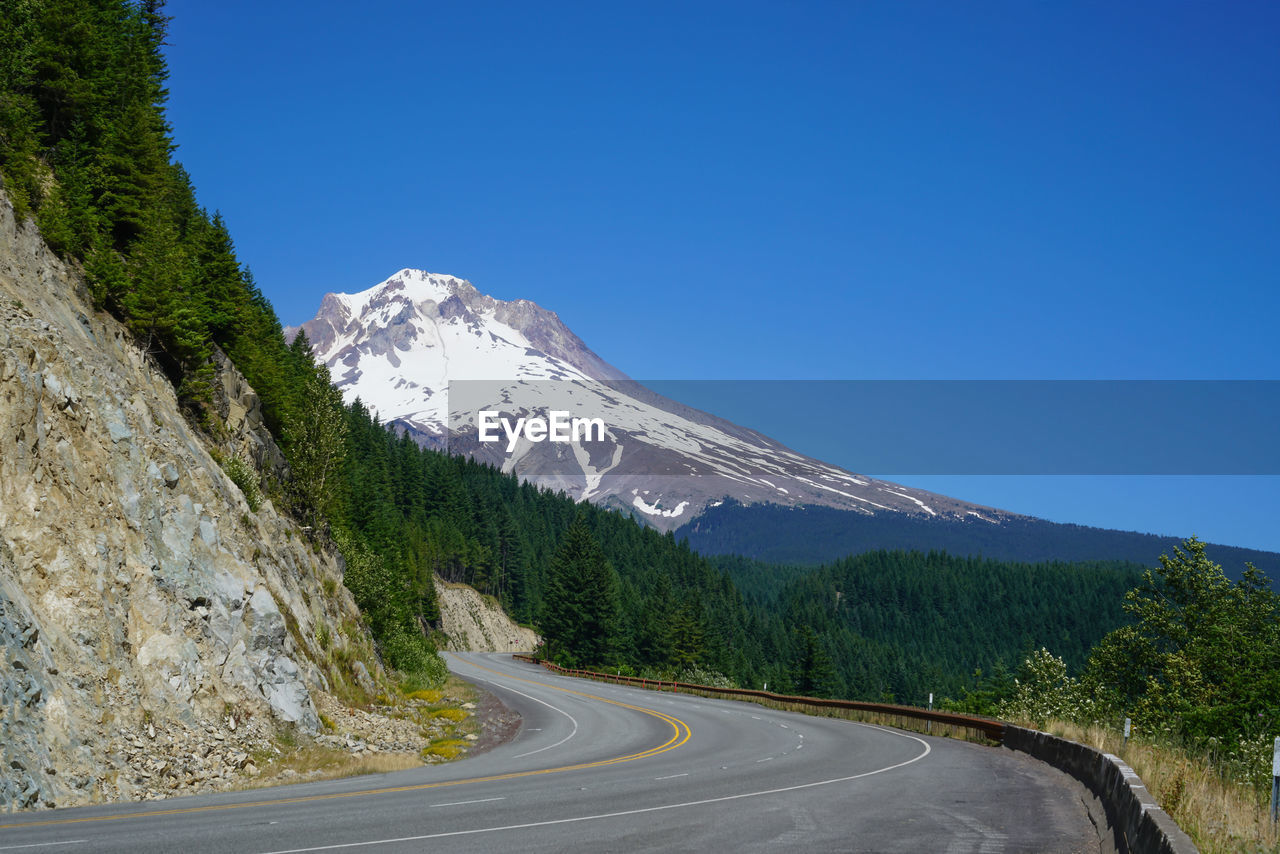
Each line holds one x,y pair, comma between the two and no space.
605,768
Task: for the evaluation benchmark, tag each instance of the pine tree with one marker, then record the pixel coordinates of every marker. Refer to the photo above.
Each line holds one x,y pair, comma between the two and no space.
319,446
580,611
814,674
686,633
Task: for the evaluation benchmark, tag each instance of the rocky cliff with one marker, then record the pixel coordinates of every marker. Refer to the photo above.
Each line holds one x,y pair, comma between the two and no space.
476,623
141,599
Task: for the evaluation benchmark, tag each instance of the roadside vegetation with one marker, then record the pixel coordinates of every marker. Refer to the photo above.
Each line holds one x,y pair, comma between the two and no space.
1214,797
398,728
1196,673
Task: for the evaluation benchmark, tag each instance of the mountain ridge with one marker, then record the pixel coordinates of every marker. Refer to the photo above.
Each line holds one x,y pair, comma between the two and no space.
819,535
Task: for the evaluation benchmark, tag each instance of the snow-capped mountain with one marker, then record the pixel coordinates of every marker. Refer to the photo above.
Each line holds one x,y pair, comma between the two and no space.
429,353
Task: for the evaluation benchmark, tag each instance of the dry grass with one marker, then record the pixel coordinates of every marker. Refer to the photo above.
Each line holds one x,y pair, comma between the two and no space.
295,759
456,687
459,722
463,692
332,763
445,748
315,762
1221,817
454,715
427,696
443,706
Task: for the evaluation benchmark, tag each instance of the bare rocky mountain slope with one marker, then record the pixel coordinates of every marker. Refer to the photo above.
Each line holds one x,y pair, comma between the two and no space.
145,610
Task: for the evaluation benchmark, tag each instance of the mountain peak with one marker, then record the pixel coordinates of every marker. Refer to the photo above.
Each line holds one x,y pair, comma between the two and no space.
406,286
402,340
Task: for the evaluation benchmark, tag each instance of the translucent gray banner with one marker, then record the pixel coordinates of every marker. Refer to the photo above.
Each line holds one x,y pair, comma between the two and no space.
1119,427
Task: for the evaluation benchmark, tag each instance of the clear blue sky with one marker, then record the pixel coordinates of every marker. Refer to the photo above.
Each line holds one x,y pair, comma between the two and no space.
747,190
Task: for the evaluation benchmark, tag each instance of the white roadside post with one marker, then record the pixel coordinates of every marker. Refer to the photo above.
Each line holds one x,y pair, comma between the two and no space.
1126,731
1275,779
928,724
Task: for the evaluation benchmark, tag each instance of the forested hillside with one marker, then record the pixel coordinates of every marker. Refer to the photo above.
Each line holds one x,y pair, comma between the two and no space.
902,625
885,624
86,149
656,604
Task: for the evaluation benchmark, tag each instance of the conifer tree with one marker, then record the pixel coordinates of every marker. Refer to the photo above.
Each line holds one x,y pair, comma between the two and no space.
319,447
814,675
580,611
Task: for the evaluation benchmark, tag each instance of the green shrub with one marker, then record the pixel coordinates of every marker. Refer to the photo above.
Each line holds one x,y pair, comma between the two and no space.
244,476
411,653
1043,691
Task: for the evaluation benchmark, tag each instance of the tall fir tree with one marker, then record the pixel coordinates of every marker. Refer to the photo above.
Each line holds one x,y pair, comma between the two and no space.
580,611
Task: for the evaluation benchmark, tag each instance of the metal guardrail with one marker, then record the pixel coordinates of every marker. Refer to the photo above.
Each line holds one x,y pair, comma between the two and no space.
992,729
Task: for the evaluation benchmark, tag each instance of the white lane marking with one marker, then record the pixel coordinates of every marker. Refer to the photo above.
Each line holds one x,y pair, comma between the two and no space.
42,844
625,813
784,726
766,759
464,803
756,718
672,776
571,718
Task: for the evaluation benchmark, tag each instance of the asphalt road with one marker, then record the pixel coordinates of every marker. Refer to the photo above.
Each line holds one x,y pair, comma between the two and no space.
604,768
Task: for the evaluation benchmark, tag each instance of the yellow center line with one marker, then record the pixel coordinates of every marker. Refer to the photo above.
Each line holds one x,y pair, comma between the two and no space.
681,734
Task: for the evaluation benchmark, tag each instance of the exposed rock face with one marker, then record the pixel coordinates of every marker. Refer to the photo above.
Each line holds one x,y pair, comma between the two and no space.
474,623
241,412
137,590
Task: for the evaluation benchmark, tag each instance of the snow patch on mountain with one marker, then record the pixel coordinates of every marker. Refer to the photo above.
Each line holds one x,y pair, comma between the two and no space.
654,510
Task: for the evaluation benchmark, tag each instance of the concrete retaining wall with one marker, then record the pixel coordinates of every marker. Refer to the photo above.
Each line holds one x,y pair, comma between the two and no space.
1139,824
